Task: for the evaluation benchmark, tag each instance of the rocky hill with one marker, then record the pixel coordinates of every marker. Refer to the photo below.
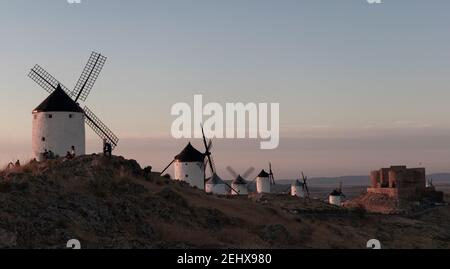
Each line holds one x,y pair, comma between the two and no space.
114,203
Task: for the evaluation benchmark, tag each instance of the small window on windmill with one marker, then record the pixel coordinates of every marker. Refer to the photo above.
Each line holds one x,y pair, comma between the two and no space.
50,116
70,116
187,176
43,139
35,116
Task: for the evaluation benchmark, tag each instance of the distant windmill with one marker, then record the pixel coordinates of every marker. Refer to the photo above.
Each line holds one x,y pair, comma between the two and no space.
336,196
246,174
240,186
264,180
271,177
305,185
190,166
214,184
58,122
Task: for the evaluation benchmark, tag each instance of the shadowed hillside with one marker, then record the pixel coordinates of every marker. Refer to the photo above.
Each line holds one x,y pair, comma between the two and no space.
114,203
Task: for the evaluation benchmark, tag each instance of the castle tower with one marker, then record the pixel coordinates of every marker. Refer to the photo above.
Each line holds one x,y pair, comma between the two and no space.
58,124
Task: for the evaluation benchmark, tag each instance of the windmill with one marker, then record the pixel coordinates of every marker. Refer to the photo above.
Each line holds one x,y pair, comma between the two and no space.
189,167
239,184
215,179
56,126
246,174
271,177
265,181
336,196
209,159
305,185
341,189
191,164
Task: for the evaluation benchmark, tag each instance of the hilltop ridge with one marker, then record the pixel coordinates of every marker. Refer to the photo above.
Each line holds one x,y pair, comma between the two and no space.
115,203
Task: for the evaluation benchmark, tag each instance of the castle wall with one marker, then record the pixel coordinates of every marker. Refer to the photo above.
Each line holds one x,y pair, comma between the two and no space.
375,179
384,177
392,193
399,182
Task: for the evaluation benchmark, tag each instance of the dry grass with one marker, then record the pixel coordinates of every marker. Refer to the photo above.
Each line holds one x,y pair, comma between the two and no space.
112,203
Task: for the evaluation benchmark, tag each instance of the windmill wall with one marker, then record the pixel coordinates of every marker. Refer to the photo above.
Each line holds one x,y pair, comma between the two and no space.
58,132
190,172
335,200
220,189
263,185
239,189
297,191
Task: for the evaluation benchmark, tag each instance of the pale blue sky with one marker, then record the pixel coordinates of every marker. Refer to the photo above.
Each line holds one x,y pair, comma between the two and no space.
339,69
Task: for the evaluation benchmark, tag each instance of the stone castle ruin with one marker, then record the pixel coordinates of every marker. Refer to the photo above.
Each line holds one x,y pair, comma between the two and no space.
402,183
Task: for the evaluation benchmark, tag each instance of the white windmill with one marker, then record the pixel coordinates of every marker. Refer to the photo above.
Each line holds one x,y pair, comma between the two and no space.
58,122
336,196
297,189
239,185
264,181
300,188
190,166
216,185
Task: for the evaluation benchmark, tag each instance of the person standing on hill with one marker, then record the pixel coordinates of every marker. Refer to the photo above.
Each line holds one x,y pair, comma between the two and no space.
107,148
50,155
72,152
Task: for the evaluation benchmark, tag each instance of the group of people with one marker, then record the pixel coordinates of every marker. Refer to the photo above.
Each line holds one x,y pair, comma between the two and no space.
49,155
12,165
71,154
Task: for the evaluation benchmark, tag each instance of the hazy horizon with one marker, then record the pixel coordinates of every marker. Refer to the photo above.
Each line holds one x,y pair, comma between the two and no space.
360,86
317,155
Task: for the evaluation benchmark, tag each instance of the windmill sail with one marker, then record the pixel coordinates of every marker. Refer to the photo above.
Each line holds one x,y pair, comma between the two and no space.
45,80
99,127
89,76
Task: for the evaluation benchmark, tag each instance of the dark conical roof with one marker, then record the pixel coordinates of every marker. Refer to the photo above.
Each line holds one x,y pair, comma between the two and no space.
239,181
263,174
58,101
336,193
190,154
215,180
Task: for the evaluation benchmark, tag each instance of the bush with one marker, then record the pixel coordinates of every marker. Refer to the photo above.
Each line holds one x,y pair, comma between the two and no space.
5,186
